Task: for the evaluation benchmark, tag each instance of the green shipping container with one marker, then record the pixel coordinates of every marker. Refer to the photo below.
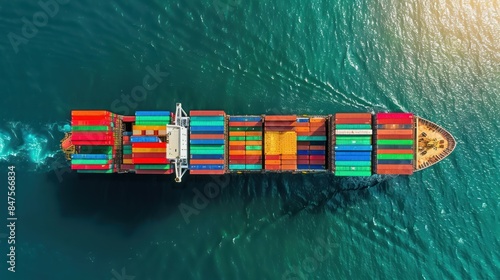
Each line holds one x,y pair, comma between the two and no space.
207,152
353,168
311,138
90,128
253,138
237,166
207,123
152,123
353,142
353,163
363,138
153,166
95,171
253,148
236,138
152,118
90,161
353,126
394,142
353,173
245,128
253,166
394,156
206,147
207,118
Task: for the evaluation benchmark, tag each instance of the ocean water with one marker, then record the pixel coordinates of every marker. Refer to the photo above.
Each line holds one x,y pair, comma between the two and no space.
438,59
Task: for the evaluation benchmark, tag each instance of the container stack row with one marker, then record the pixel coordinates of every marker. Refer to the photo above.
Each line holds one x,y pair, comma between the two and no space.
353,144
127,150
151,123
395,143
245,143
149,147
311,143
280,143
207,142
93,135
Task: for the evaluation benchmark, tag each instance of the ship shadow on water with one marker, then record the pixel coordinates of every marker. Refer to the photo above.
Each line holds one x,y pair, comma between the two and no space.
129,200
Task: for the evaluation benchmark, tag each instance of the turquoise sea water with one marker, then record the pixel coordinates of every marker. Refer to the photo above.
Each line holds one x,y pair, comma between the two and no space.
438,59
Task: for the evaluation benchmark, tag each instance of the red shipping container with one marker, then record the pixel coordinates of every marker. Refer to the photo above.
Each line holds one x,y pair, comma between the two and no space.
394,115
153,171
302,147
317,129
136,160
237,157
272,157
395,121
253,161
207,161
299,157
353,115
206,113
280,118
352,121
280,123
237,161
237,147
302,161
279,128
100,136
316,162
288,161
317,148
394,151
207,172
302,124
149,145
149,155
127,156
90,122
93,143
252,157
128,118
206,136
395,137
127,166
317,133
91,118
90,166
317,157
245,123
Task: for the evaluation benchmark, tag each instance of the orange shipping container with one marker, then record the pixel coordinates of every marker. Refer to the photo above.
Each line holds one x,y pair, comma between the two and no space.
289,167
273,161
207,161
289,157
236,143
395,131
249,133
302,129
288,161
237,133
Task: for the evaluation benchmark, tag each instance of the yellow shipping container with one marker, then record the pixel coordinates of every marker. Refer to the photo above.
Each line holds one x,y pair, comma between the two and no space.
272,143
288,143
127,161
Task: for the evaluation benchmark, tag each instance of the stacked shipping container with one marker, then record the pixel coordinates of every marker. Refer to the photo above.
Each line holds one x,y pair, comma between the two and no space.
207,142
149,147
311,143
353,144
94,136
395,143
280,143
245,143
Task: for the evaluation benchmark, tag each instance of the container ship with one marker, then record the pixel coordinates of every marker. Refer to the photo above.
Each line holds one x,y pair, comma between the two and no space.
210,142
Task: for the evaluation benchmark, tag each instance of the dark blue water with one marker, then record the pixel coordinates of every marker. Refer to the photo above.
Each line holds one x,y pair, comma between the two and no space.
440,60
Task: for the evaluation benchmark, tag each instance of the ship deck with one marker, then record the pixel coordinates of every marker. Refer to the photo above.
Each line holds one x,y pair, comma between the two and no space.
433,144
